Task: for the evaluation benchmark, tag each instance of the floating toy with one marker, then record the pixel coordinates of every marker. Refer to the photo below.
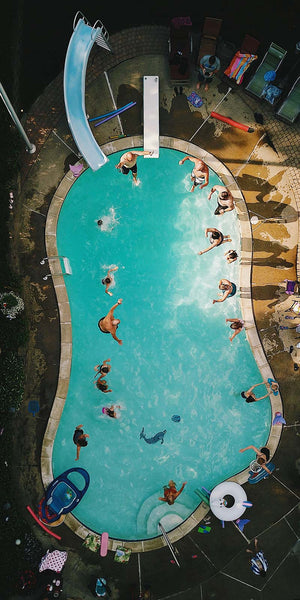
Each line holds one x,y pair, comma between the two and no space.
219,501
104,542
257,473
278,419
231,122
175,418
61,497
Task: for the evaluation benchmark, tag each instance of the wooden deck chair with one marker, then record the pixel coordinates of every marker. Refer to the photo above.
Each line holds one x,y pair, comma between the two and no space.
290,108
209,37
270,62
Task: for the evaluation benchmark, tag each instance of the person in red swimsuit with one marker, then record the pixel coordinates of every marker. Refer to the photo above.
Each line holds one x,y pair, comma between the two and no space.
171,493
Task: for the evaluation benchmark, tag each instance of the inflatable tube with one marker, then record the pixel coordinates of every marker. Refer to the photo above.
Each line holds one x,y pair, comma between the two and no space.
42,525
104,542
231,122
220,507
116,113
256,476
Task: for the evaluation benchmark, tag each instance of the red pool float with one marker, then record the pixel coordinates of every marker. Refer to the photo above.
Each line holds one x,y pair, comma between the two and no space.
231,122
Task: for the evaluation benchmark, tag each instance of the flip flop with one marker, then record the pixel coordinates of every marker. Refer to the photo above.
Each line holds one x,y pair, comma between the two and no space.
296,367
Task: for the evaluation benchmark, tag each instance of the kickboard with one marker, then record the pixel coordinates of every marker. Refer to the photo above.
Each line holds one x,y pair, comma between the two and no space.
104,542
195,100
262,474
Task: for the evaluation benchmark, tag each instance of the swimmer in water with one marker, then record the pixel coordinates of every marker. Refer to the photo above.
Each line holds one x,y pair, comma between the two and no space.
109,324
103,369
200,172
236,324
225,199
231,255
109,280
110,412
107,222
171,493
128,162
250,396
228,290
216,239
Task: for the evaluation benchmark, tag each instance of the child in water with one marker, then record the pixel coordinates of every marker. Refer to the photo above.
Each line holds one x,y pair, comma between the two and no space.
171,493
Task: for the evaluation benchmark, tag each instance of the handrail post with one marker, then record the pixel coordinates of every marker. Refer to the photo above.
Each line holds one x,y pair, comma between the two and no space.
31,147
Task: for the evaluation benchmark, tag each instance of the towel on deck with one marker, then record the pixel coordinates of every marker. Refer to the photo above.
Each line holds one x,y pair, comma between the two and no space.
239,66
53,560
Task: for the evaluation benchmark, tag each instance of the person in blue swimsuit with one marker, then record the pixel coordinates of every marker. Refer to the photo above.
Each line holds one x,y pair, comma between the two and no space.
228,290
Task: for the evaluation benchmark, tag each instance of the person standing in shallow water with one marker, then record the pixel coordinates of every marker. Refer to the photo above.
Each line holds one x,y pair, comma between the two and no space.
200,172
225,199
216,238
128,162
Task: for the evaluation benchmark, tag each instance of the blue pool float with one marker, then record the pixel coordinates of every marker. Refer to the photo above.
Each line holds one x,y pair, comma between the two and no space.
62,496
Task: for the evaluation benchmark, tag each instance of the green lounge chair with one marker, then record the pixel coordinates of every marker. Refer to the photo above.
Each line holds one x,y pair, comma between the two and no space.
270,62
290,108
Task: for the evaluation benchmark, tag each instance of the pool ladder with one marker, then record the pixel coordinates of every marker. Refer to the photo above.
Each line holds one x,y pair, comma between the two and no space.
66,264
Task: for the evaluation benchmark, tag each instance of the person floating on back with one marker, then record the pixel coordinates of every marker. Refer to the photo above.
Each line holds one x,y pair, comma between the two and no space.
200,172
109,324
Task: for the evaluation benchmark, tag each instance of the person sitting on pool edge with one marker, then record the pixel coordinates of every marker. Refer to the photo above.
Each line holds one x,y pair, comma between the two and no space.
225,199
228,288
109,279
250,396
216,239
262,456
171,493
236,324
128,162
109,324
200,172
79,439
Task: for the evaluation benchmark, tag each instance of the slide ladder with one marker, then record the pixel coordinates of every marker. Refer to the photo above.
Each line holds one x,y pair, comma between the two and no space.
78,52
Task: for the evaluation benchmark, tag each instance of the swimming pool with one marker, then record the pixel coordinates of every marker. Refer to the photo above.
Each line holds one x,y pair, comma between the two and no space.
176,357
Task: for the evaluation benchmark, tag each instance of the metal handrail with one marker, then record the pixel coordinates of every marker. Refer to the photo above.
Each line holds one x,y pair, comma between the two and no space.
168,542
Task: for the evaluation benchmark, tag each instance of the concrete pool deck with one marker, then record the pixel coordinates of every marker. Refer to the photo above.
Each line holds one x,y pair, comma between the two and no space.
270,183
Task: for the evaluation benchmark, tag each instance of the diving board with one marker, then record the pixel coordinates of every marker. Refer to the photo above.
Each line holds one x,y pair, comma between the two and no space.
78,52
151,115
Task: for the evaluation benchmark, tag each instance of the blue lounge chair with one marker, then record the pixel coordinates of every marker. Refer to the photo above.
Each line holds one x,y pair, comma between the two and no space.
290,108
270,62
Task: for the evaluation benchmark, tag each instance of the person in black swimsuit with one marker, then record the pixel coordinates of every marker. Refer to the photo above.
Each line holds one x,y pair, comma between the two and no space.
216,238
262,456
109,324
79,439
250,397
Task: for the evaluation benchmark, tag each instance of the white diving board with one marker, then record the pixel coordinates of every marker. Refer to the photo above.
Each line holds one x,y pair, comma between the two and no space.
76,60
151,115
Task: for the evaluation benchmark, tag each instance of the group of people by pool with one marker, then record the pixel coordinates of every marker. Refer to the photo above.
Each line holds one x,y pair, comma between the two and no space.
109,324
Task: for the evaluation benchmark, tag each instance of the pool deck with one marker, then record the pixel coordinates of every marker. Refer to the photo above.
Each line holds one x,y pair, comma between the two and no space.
215,565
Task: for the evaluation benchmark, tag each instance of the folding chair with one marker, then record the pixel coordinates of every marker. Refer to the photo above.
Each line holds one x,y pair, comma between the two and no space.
290,108
270,62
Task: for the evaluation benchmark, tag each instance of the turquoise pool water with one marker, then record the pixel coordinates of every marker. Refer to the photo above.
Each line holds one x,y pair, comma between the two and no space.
176,356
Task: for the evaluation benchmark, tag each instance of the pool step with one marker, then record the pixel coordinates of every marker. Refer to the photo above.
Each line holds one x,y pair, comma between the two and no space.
152,511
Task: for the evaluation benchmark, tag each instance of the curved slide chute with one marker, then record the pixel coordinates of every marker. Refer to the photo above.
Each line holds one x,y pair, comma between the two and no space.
76,60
